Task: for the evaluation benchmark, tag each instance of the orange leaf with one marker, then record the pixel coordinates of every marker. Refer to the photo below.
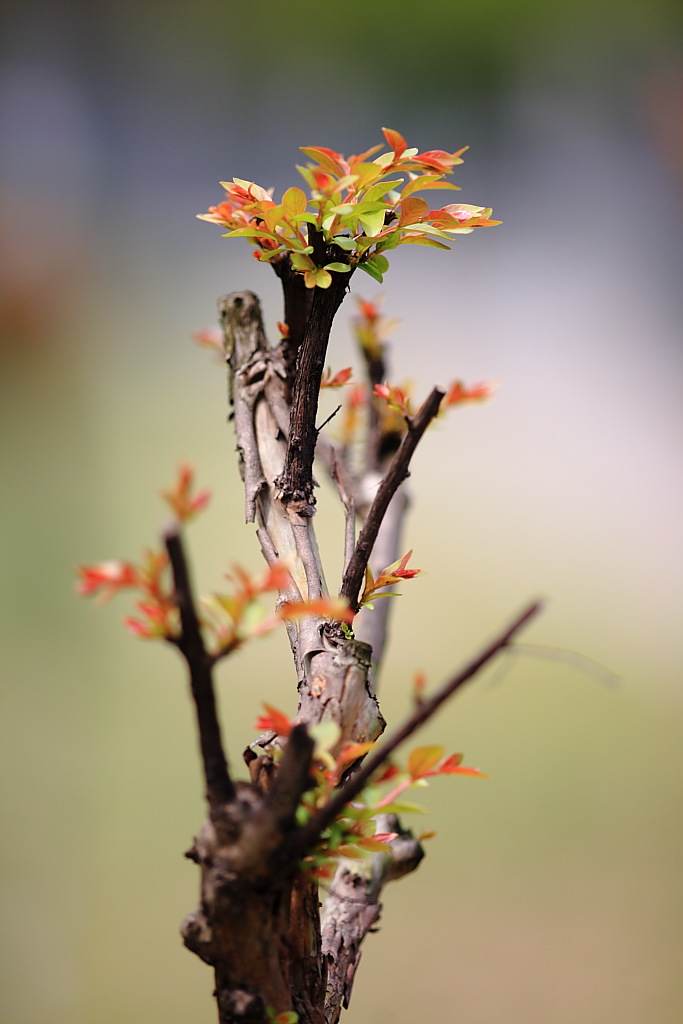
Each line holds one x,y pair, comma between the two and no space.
326,607
339,380
475,393
461,769
413,210
450,762
351,752
375,844
395,140
107,578
274,720
330,161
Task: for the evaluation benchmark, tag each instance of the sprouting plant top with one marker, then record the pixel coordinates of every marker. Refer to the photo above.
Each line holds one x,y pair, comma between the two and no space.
363,206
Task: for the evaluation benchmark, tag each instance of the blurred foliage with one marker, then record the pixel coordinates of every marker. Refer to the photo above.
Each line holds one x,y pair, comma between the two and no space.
442,48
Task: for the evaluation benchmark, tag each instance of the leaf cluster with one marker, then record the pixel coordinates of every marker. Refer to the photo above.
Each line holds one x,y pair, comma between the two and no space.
353,832
363,207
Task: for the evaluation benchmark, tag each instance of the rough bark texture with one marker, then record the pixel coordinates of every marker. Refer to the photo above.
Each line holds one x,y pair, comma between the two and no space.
258,923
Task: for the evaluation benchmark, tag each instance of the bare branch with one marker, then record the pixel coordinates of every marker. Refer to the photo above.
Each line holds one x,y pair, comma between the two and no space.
219,786
393,478
311,832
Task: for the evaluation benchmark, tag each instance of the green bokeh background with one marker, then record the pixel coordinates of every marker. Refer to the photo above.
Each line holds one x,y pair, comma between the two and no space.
552,892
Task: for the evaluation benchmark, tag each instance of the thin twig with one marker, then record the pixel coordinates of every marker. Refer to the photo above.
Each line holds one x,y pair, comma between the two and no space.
393,478
310,833
581,662
219,786
329,418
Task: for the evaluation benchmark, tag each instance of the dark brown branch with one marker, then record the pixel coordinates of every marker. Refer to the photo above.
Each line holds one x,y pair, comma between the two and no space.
293,777
310,833
393,478
297,301
219,786
296,482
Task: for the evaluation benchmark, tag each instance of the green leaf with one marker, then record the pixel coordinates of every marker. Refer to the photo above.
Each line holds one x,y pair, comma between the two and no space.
307,175
294,202
423,240
402,807
344,242
362,206
363,244
369,269
381,189
421,228
366,173
379,262
385,159
251,617
301,261
425,181
388,242
373,222
357,813
272,217
248,233
305,218
423,759
323,160
322,278
339,268
325,734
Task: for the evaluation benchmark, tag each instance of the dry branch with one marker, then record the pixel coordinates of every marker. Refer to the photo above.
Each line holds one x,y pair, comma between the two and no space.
393,478
219,786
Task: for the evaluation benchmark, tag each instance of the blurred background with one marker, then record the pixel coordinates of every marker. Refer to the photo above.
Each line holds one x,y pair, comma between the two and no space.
552,892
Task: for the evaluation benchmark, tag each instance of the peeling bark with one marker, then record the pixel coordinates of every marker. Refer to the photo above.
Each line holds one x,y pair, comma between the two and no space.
258,923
